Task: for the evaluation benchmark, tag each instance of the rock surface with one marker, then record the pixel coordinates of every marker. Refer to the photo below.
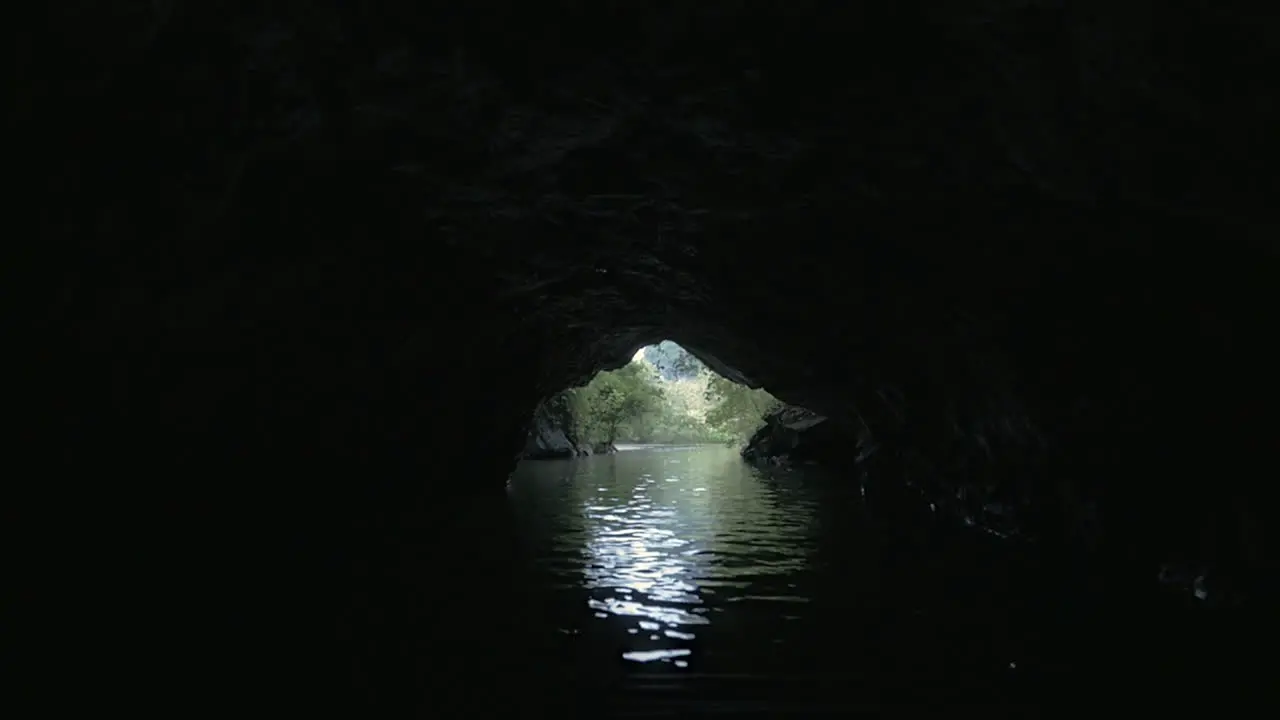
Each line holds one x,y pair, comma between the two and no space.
551,434
554,435
788,436
1028,247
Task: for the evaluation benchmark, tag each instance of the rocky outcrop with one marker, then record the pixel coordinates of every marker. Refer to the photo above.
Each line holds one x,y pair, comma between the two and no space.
789,435
551,434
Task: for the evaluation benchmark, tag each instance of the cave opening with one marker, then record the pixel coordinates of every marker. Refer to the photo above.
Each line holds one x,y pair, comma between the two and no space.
663,395
686,527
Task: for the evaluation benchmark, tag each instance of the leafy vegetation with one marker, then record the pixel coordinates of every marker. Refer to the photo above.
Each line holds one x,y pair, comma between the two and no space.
736,410
607,406
680,402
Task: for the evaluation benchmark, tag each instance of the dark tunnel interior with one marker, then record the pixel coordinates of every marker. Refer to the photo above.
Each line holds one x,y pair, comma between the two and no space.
290,265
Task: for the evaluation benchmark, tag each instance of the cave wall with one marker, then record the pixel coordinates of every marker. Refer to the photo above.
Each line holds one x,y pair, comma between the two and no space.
1025,243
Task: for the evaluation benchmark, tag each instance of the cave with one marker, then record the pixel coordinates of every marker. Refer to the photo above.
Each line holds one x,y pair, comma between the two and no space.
289,266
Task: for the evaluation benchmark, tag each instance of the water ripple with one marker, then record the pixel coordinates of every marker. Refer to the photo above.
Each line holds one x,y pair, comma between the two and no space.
662,542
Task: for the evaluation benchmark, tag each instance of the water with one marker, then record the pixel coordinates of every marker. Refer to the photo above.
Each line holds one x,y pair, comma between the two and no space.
659,575
688,562
664,554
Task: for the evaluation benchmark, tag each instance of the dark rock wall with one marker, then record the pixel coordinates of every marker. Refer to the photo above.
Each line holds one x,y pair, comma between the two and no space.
552,434
1022,244
790,435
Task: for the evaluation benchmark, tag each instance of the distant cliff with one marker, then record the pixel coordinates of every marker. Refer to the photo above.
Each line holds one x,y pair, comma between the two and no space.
672,361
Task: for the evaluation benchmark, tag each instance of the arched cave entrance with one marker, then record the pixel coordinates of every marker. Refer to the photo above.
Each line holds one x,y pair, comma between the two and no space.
664,394
298,260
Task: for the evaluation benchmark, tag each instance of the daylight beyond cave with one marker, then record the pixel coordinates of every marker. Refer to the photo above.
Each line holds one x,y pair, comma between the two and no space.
664,395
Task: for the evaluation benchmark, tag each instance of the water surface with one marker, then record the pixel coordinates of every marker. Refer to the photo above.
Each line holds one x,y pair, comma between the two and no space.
682,579
688,560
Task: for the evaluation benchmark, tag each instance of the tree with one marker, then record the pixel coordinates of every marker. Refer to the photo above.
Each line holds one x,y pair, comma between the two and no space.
639,403
613,398
737,410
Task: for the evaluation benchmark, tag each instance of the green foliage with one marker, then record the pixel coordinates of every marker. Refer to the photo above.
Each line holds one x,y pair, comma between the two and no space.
636,403
612,399
737,410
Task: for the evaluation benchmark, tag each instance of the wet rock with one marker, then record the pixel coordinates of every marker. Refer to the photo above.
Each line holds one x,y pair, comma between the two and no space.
784,435
551,433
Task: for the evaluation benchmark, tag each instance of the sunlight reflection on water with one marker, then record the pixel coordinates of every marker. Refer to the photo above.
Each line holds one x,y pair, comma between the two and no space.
659,560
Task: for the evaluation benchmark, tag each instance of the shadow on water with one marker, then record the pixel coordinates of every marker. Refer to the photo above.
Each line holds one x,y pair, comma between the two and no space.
681,567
